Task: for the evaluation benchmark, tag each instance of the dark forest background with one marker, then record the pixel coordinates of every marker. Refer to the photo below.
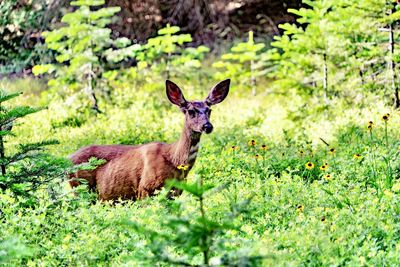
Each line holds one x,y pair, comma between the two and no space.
214,23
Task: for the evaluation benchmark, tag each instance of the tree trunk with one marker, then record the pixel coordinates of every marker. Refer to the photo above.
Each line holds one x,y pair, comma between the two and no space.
253,81
325,79
91,92
2,156
395,89
361,74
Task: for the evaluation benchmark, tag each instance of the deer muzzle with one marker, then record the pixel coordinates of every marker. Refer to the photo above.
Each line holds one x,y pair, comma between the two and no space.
207,128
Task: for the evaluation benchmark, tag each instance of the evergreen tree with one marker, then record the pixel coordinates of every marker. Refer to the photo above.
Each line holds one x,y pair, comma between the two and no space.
82,47
29,167
197,233
245,63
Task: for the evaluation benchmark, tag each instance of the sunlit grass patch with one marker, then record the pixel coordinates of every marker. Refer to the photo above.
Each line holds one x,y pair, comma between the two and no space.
295,191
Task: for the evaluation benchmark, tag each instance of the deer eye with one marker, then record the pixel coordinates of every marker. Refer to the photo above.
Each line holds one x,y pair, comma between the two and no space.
191,112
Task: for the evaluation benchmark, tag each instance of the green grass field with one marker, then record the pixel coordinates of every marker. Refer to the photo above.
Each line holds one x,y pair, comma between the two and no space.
293,211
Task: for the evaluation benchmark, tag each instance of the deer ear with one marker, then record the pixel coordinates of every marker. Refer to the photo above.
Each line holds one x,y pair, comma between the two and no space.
174,94
218,93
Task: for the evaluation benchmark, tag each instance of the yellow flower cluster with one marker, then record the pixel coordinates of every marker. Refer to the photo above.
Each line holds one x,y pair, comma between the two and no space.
324,167
300,208
309,165
252,142
183,167
264,147
386,117
234,148
258,156
370,125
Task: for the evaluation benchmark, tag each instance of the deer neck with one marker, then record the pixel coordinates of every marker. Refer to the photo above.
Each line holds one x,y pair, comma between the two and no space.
184,151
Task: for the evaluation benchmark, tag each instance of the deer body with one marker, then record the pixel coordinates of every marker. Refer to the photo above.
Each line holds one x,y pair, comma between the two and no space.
135,172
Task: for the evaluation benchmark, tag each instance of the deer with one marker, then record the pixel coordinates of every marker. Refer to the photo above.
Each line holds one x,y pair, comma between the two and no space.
137,171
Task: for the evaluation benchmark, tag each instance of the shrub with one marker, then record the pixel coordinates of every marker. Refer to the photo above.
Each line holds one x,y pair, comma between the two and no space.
29,168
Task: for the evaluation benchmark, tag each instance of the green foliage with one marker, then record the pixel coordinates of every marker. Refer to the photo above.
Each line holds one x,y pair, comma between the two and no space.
245,63
308,184
18,21
27,168
194,233
339,49
82,46
12,249
165,54
270,206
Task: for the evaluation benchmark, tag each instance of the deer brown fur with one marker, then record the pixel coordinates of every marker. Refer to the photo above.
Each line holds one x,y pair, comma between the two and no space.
135,172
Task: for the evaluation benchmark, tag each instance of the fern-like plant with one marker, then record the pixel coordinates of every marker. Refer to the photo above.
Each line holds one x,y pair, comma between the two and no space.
83,47
245,63
28,167
165,53
197,235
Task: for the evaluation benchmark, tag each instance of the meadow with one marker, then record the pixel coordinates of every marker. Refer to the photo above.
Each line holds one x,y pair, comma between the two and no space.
302,168
282,209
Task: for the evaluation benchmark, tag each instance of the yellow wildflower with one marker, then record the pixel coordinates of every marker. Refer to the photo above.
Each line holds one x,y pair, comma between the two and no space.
301,152
309,165
264,147
357,156
385,117
234,148
324,167
257,156
332,151
300,208
328,177
252,142
183,167
370,125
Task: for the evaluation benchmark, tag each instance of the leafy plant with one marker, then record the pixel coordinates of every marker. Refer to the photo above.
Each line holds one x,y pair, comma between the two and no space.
165,53
245,63
13,249
82,47
25,170
195,233
324,53
18,21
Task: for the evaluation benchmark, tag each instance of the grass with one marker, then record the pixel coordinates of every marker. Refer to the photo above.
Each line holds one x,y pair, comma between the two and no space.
295,216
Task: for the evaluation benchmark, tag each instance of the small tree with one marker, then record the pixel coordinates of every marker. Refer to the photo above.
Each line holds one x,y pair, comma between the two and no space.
29,167
246,62
165,53
324,51
391,20
196,233
308,51
81,50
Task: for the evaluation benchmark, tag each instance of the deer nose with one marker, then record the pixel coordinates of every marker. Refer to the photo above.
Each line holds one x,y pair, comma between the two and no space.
207,128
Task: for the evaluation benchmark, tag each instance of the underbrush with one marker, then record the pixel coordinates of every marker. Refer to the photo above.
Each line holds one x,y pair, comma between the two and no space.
268,155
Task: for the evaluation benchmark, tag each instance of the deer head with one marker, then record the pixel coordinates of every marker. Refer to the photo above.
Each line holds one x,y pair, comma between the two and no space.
197,113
